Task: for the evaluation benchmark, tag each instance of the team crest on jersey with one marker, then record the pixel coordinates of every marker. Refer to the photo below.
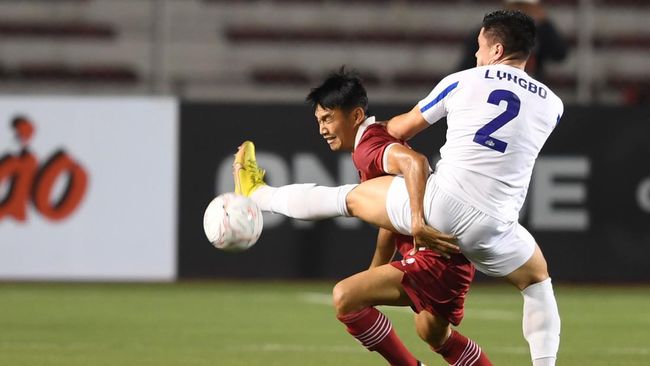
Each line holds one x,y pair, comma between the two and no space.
408,261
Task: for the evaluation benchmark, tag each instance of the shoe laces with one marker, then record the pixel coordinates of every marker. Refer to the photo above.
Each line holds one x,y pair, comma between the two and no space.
258,176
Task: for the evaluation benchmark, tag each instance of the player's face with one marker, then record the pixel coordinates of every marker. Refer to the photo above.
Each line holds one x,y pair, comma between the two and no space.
337,127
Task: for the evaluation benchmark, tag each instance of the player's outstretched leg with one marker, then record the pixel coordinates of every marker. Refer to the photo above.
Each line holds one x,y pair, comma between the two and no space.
299,201
454,347
541,321
354,298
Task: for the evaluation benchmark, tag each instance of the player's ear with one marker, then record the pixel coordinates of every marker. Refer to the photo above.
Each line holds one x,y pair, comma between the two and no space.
497,51
359,116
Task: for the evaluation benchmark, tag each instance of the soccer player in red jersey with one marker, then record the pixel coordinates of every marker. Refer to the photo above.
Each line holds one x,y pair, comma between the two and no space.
433,284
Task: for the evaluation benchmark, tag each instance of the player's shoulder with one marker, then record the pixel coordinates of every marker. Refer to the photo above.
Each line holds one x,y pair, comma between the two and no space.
552,103
375,137
475,73
376,130
554,98
376,127
548,94
447,86
457,78
462,79
557,102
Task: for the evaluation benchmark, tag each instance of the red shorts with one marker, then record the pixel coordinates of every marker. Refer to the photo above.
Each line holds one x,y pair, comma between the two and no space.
436,284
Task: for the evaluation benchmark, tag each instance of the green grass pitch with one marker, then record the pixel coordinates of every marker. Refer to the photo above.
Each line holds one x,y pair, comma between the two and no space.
276,323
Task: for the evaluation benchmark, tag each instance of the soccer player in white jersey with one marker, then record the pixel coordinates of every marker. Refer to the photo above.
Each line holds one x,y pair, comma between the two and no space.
498,120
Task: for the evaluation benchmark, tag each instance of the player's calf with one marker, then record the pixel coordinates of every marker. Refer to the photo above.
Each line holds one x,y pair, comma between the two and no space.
454,347
354,298
375,332
541,323
432,329
460,350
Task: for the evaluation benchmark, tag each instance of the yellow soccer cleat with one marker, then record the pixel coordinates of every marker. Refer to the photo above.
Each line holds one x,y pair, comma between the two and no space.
248,176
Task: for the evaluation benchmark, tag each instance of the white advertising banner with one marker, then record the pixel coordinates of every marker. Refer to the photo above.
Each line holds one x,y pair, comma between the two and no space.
88,188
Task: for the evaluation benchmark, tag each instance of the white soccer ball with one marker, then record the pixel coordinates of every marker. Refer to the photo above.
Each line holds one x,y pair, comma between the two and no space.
232,222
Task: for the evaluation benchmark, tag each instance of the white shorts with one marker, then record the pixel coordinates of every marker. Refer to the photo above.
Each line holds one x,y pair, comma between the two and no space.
495,247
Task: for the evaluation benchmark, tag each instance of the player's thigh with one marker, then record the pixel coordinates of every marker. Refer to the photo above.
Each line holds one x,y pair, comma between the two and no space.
367,201
377,286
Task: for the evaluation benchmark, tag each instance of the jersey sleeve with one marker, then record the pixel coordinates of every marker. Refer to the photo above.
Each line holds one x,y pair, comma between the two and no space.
434,106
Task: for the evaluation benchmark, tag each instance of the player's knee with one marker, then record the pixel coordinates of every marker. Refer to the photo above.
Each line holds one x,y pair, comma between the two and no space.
352,202
343,298
539,277
532,272
431,329
540,272
533,277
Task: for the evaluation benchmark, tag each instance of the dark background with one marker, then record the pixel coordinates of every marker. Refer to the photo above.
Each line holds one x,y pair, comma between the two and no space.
615,247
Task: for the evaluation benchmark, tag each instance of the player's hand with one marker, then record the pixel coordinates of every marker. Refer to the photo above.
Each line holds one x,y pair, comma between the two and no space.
428,237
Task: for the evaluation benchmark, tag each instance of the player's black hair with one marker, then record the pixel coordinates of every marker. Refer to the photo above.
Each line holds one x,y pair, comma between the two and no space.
342,89
512,28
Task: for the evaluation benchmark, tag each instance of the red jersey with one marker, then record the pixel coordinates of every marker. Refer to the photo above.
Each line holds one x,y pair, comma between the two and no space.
368,157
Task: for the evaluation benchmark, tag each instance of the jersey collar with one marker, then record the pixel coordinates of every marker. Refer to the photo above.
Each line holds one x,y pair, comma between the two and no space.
362,128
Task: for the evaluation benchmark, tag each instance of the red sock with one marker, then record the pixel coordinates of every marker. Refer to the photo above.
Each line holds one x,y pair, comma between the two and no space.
375,332
459,350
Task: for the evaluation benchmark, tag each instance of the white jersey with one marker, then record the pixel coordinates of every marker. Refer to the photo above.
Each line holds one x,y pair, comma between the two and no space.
498,119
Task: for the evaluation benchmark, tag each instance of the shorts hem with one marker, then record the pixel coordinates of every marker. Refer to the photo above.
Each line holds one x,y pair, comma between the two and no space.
415,297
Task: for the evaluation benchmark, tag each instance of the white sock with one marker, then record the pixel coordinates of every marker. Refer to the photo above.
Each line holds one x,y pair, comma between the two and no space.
541,323
546,361
303,201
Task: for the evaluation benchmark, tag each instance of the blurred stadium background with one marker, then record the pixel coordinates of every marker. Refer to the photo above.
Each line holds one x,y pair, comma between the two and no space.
273,49
118,120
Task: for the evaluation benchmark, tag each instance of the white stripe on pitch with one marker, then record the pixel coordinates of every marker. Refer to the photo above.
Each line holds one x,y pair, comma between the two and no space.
298,348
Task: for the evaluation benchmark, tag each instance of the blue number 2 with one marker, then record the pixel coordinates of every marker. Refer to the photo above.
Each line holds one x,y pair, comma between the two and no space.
482,136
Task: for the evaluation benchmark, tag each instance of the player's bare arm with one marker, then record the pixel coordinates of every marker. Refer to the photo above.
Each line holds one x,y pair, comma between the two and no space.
407,125
415,169
385,249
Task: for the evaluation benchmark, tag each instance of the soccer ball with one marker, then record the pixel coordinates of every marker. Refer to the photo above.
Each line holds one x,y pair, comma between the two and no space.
232,222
